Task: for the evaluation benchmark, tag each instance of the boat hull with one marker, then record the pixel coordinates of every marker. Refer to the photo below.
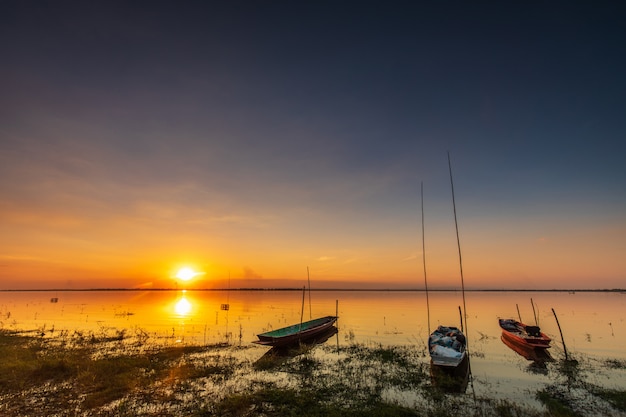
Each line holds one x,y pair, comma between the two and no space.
296,333
447,362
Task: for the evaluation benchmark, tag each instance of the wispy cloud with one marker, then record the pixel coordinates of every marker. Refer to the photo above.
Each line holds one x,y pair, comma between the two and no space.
249,273
325,258
411,257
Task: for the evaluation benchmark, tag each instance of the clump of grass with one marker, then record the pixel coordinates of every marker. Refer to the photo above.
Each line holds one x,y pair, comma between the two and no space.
617,398
110,379
615,363
557,404
55,369
504,408
482,407
389,355
308,403
19,362
31,363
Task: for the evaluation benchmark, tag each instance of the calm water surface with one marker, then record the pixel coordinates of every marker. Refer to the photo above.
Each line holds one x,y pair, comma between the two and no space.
593,323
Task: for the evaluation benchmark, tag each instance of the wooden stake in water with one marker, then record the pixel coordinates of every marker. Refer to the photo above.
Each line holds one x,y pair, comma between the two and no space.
518,314
561,332
337,323
461,316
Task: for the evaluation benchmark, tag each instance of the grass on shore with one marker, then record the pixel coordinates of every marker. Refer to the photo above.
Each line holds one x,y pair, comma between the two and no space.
28,362
98,375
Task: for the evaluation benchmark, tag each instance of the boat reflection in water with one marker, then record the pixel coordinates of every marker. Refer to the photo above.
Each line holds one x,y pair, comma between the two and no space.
538,356
278,354
451,379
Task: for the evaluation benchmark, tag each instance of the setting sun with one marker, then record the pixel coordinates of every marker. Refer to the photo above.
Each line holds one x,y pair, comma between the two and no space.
186,274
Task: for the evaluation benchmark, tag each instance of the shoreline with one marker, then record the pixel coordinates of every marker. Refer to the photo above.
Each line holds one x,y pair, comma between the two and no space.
97,374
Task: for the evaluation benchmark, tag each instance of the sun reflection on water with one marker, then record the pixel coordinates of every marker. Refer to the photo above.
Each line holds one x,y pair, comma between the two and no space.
183,306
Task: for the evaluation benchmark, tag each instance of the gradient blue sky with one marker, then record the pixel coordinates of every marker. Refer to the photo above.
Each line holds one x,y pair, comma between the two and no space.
254,139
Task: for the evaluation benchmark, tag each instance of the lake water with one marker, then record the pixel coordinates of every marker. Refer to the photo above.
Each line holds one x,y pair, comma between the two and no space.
593,323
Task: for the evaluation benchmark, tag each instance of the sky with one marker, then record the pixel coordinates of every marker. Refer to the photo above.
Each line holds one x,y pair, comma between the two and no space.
265,143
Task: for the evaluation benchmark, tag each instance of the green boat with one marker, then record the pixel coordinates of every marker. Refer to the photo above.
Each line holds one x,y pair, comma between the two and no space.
296,333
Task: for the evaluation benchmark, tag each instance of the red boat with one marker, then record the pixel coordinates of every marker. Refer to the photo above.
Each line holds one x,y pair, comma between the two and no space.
524,335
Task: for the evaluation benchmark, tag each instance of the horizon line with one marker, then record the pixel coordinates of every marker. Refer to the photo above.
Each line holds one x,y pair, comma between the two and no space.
619,290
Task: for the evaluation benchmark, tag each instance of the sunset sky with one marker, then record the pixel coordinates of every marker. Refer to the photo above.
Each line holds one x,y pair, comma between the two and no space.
256,139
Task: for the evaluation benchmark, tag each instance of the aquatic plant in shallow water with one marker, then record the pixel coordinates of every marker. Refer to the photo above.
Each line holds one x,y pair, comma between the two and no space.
572,395
617,398
616,363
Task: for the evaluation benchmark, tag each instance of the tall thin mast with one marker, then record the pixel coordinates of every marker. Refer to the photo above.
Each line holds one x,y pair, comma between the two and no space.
424,257
458,242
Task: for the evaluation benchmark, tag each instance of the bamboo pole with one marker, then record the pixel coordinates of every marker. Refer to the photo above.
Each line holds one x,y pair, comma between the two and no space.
309,278
534,312
302,311
464,313
458,242
518,314
424,258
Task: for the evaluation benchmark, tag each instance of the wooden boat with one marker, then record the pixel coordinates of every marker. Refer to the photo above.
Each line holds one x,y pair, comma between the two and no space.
276,353
447,346
297,333
524,335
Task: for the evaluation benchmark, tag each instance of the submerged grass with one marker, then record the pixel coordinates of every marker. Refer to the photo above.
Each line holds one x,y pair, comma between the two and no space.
556,404
102,375
617,398
29,362
274,402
